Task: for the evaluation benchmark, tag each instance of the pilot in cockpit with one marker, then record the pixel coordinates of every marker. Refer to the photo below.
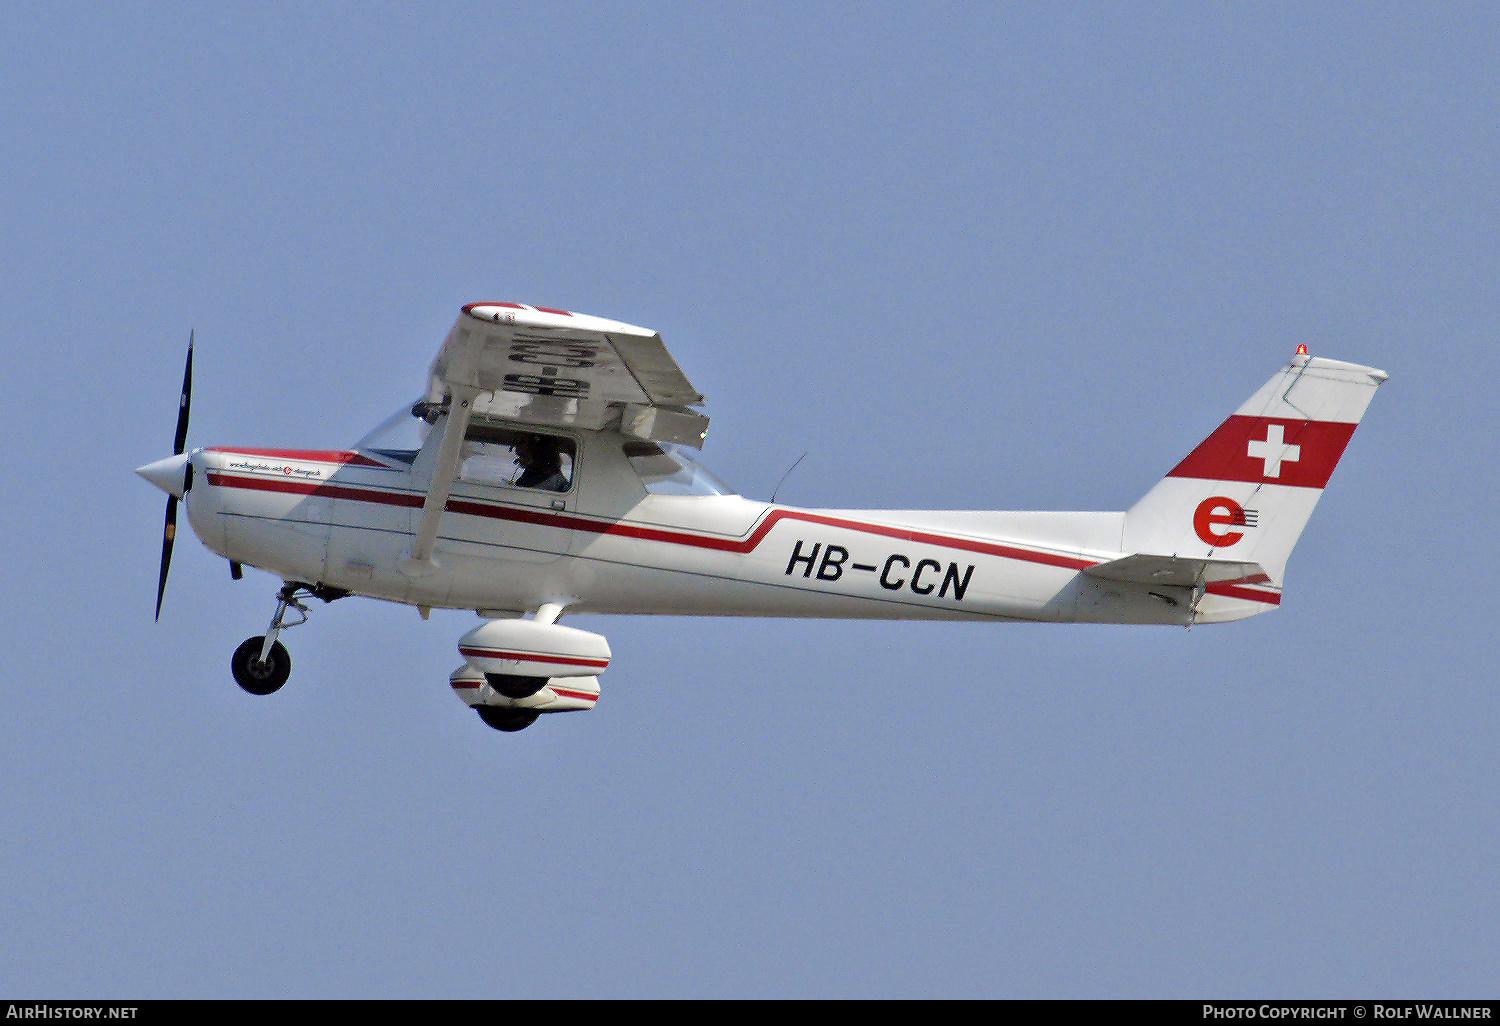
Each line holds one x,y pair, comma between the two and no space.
541,462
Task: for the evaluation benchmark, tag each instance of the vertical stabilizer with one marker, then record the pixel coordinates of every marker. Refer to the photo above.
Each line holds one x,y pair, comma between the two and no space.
1247,491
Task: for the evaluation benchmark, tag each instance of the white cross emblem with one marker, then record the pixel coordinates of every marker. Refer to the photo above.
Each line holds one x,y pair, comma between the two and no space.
1274,450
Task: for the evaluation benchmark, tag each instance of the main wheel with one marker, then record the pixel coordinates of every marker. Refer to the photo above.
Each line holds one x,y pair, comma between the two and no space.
508,720
256,677
512,686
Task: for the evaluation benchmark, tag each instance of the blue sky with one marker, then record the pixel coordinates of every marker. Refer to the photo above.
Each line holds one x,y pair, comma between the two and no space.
992,256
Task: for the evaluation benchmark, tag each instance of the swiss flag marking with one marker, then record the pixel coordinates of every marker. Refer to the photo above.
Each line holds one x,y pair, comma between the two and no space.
1274,450
1269,450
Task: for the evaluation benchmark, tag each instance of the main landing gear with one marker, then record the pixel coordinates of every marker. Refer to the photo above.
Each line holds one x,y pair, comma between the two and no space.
508,720
261,665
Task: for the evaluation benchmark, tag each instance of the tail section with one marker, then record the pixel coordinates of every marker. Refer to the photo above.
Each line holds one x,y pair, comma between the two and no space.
1246,492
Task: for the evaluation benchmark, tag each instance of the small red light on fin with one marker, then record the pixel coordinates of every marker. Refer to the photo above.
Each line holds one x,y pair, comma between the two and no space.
1302,350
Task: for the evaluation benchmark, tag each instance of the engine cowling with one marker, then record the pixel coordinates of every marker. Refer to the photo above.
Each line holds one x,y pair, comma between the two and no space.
526,648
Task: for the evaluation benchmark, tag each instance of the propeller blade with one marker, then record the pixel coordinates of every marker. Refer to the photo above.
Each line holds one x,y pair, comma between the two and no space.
185,402
169,530
168,535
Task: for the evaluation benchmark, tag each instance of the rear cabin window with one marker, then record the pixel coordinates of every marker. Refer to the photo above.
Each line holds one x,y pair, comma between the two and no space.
665,469
522,459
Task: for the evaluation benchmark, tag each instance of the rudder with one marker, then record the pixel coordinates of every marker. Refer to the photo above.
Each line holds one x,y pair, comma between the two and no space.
1247,491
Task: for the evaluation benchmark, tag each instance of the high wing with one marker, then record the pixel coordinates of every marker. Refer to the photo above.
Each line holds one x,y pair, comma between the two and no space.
536,365
542,366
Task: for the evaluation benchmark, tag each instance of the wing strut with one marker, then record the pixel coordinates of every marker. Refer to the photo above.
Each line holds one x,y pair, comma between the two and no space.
462,391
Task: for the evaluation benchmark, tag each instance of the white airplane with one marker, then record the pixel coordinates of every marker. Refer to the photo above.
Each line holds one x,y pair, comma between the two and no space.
546,471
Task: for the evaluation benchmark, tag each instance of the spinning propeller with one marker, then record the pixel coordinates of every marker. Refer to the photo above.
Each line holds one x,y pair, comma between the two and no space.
173,475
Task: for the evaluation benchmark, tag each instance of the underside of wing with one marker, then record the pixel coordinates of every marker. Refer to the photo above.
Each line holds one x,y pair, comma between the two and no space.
544,366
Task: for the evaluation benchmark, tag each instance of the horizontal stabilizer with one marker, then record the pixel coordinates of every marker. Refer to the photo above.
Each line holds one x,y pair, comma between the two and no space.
1178,570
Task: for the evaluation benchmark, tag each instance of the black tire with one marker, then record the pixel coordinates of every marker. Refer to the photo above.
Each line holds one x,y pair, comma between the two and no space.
256,677
508,720
515,687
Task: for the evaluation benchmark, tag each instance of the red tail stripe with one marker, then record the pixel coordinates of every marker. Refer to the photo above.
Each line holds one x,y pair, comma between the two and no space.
1234,452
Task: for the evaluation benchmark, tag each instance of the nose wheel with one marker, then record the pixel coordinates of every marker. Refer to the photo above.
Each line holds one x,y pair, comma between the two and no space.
257,673
261,665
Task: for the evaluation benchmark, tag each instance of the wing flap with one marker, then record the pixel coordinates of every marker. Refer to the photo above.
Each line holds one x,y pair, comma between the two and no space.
655,371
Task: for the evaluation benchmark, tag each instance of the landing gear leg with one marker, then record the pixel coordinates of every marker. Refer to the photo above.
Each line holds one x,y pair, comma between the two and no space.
261,664
287,596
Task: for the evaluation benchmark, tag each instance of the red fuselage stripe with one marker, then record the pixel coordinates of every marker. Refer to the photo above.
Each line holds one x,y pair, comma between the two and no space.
626,530
309,455
323,491
621,529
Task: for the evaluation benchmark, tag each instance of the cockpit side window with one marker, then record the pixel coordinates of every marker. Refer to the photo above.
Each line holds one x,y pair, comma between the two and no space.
523,459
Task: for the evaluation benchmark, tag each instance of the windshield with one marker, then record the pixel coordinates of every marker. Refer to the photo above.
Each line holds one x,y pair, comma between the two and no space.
665,469
397,438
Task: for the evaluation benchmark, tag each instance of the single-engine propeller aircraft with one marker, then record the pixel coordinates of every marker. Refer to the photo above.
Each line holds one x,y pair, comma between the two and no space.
546,470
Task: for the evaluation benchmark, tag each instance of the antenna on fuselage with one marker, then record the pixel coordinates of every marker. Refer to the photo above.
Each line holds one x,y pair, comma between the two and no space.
787,475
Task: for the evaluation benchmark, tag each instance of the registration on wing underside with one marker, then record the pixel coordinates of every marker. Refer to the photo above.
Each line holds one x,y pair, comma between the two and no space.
552,367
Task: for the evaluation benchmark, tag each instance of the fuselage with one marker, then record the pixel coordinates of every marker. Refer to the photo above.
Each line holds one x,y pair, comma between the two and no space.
547,470
606,544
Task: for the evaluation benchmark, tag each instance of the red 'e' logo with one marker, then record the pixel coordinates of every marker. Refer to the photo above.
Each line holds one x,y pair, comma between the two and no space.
1215,512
